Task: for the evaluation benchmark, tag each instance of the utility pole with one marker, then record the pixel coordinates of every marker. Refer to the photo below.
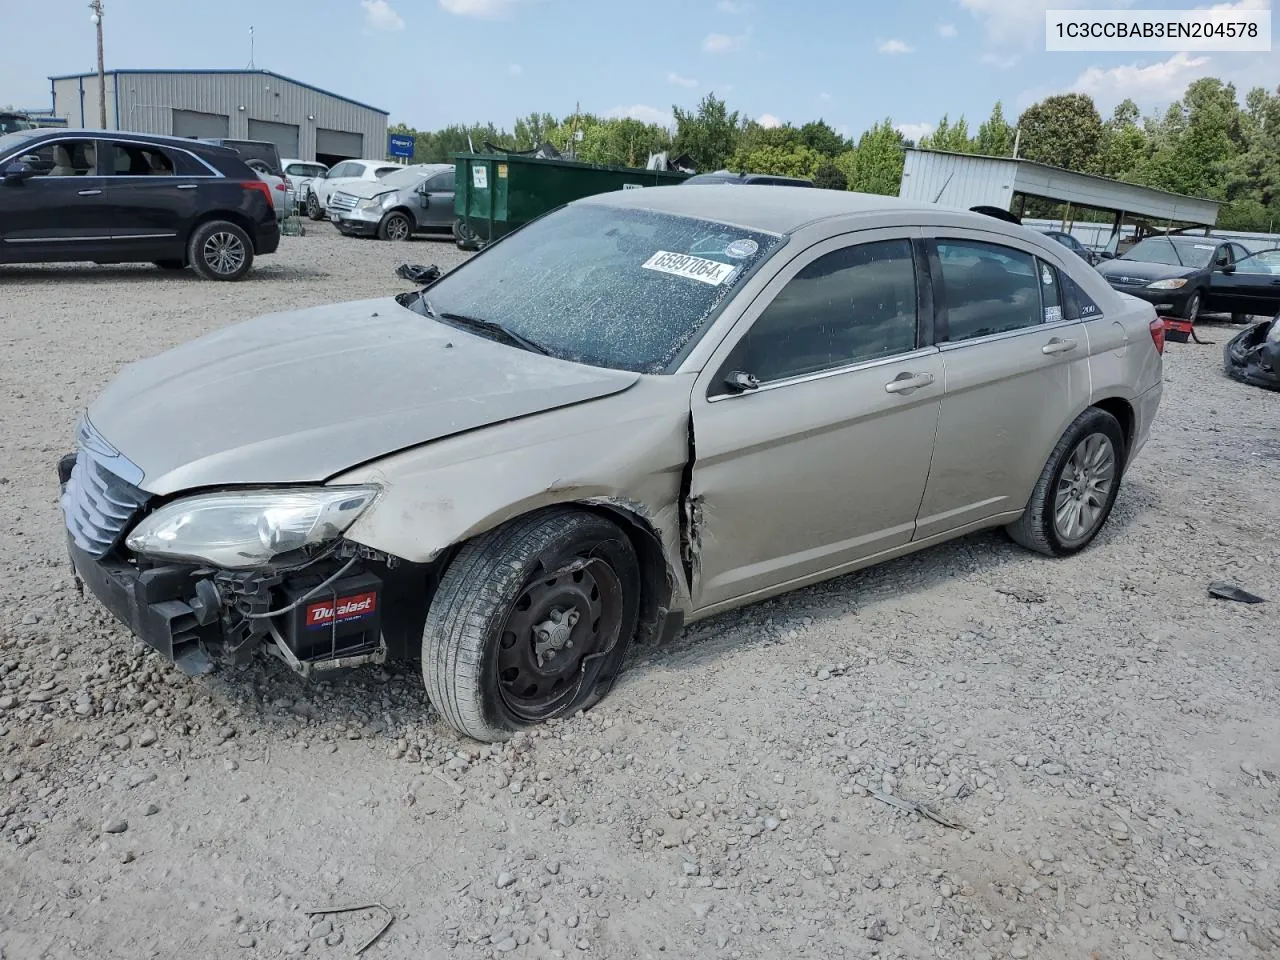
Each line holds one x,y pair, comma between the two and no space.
96,19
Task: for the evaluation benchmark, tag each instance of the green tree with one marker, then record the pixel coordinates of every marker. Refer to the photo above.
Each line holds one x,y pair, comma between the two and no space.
948,136
798,161
1063,130
1124,144
708,134
622,142
877,162
845,164
532,131
829,176
995,135
821,137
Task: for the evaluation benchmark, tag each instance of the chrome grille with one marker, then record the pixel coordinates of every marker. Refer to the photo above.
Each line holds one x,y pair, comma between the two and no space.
343,201
98,504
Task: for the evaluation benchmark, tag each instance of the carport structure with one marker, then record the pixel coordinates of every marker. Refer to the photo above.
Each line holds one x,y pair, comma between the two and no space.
1007,183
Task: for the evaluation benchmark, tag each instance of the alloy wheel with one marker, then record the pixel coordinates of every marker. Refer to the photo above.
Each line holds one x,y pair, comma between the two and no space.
224,253
1084,488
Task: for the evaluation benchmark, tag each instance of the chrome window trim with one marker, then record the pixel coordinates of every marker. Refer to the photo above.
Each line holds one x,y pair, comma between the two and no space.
916,354
950,345
214,172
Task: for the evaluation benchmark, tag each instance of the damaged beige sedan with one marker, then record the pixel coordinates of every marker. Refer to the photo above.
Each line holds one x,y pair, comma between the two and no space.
644,408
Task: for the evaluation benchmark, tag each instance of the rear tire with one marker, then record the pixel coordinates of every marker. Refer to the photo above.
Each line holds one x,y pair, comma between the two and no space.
395,226
314,210
171,264
1071,502
527,620
219,250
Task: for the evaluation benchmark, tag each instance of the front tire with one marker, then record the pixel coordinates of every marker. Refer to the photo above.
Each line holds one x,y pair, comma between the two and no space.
527,620
219,250
1077,489
1192,309
395,226
314,210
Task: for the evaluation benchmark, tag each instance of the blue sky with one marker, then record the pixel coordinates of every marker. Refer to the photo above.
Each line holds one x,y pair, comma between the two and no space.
432,62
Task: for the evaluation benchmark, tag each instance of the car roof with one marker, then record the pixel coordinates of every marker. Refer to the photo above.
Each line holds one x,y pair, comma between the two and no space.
156,138
773,209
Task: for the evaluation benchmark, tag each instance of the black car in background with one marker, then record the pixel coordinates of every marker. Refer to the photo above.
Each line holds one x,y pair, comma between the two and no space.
262,150
68,195
728,176
1174,272
1074,245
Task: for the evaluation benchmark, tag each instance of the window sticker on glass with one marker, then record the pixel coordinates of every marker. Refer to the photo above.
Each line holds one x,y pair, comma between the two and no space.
741,249
691,268
1204,246
1052,314
1046,276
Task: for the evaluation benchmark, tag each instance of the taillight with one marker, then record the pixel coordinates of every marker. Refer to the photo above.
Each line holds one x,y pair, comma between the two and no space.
1157,334
282,188
258,185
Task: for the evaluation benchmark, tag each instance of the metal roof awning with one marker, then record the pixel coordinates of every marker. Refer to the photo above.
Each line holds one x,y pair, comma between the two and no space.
968,180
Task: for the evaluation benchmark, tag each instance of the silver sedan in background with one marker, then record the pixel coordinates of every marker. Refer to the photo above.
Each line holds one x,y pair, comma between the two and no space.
642,409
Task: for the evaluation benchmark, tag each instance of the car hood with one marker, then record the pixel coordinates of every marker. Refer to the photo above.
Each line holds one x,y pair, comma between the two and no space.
1141,270
301,396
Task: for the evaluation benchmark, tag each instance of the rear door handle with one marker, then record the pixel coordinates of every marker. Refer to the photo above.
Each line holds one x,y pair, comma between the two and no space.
906,382
1058,345
187,186
89,193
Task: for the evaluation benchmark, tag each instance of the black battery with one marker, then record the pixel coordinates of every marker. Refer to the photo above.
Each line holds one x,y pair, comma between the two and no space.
342,620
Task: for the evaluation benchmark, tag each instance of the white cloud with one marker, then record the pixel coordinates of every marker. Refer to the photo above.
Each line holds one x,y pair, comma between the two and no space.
1240,5
1021,22
947,30
515,69
723,42
644,113
731,6
485,9
687,82
1162,81
914,131
894,46
379,15
768,121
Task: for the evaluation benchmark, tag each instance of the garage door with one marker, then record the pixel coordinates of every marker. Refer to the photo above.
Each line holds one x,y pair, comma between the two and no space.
339,144
189,123
283,135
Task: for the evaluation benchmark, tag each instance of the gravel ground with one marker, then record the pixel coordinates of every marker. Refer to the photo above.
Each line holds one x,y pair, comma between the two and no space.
1102,739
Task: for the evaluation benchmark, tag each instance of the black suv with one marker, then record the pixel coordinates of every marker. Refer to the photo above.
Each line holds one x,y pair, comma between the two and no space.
111,197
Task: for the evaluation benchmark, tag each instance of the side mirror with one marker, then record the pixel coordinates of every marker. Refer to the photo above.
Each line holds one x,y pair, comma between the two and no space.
1107,255
1227,267
18,170
739,381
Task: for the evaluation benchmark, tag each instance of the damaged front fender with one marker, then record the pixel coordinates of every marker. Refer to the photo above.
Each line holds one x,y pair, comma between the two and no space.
1253,356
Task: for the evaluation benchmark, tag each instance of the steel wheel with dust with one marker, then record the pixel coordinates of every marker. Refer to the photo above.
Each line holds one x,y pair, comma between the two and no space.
530,621
555,625
1084,489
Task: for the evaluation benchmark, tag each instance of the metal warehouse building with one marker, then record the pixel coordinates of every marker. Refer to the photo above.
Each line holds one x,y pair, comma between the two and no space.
303,121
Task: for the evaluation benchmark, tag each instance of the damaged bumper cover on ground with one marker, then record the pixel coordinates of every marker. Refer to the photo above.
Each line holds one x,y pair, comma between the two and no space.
1253,356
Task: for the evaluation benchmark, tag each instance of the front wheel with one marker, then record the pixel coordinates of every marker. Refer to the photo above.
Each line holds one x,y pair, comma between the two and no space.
1077,489
1192,310
528,620
395,226
314,210
220,250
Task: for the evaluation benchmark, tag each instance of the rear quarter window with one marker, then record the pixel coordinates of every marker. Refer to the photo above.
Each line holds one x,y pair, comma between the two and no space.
1076,304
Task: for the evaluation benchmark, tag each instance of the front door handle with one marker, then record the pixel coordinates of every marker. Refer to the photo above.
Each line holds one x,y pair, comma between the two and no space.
1058,345
187,186
906,382
89,193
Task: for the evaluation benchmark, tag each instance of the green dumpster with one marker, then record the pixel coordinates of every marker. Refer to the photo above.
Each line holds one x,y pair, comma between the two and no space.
496,192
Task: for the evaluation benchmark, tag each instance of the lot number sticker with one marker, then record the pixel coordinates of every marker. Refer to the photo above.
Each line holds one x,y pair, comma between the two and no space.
480,177
691,268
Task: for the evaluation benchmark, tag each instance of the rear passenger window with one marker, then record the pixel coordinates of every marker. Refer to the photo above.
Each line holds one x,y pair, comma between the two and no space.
988,289
135,160
849,306
1076,305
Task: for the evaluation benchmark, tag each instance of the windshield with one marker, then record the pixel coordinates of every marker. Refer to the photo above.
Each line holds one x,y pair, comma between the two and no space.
306,170
1175,253
408,177
620,288
11,140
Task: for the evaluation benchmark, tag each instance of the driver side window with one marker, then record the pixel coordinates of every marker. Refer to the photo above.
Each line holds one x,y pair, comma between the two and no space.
848,306
63,158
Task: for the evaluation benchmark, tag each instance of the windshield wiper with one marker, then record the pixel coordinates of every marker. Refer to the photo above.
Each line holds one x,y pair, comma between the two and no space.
502,331
1181,262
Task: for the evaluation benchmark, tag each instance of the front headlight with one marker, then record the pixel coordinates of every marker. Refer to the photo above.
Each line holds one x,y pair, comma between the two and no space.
242,530
373,203
1175,284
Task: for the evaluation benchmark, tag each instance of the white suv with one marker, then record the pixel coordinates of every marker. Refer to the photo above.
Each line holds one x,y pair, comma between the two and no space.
299,174
320,189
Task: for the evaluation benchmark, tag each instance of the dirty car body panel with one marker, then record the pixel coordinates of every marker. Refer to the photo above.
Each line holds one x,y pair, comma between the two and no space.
761,391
